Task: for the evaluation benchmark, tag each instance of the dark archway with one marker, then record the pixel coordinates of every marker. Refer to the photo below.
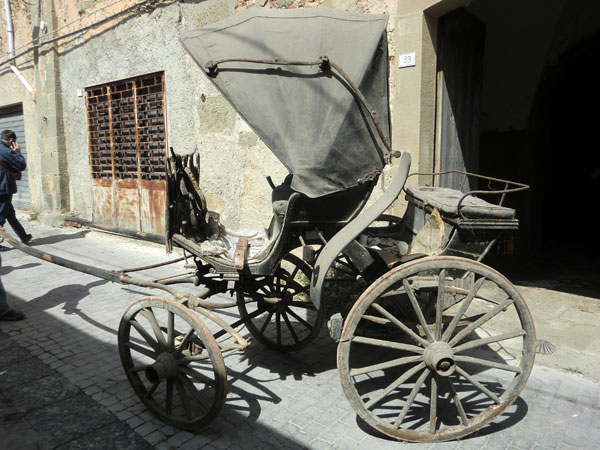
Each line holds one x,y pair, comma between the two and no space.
566,124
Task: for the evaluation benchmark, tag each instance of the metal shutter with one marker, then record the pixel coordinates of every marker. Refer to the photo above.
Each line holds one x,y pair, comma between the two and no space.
11,118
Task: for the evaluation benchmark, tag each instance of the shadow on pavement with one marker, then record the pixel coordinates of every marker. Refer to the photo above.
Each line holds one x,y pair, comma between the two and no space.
5,270
56,238
91,411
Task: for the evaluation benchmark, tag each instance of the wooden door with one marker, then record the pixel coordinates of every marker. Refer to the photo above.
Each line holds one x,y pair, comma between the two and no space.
127,134
460,72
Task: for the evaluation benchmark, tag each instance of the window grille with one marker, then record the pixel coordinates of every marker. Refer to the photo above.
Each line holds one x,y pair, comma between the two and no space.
126,125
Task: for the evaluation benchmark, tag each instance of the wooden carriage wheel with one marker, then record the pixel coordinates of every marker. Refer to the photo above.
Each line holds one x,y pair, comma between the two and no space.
278,310
173,363
459,346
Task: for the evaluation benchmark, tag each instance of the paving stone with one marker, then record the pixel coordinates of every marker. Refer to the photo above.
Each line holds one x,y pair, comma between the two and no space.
39,393
11,353
23,372
145,429
17,434
116,436
134,422
155,437
63,421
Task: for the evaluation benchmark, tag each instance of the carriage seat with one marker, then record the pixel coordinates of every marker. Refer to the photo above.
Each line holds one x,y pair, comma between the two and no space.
338,207
446,201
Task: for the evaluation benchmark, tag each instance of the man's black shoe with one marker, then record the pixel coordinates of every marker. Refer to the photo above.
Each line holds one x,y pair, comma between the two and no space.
13,315
27,239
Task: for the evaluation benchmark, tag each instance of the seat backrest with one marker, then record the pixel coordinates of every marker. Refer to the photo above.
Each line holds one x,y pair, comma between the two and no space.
339,207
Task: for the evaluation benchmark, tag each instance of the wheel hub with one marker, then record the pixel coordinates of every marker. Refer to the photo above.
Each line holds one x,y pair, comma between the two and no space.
165,367
439,357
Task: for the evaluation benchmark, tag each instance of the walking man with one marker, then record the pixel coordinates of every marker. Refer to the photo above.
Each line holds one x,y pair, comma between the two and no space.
6,313
11,165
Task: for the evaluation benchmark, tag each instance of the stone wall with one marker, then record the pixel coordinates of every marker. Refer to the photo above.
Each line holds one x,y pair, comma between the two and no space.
101,42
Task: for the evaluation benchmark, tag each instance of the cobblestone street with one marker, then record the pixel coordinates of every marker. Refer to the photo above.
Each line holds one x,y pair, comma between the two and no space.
62,384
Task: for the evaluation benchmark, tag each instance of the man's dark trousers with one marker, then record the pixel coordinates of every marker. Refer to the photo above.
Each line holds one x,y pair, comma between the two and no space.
7,213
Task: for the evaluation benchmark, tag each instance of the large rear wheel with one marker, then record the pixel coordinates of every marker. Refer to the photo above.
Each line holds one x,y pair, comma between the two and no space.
436,349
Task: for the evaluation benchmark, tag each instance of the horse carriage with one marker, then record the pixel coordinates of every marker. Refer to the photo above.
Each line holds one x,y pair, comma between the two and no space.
431,343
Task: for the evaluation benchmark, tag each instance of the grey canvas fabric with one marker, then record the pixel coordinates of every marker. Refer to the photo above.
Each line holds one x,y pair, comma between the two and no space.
310,119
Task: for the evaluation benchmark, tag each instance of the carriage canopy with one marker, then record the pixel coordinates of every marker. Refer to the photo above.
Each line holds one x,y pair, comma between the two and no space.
307,114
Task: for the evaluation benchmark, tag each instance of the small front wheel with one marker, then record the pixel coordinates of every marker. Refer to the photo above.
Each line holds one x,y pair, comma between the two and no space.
436,349
277,309
173,363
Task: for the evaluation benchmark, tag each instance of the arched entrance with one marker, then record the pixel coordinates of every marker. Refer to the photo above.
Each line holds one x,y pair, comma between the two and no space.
567,153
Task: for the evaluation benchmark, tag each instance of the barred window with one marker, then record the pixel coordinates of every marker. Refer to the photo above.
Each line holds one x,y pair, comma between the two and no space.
126,126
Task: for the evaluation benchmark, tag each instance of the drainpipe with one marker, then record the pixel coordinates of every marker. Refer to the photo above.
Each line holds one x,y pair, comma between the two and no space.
9,29
11,49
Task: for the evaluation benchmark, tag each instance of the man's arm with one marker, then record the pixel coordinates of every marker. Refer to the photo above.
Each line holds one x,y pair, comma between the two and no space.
13,160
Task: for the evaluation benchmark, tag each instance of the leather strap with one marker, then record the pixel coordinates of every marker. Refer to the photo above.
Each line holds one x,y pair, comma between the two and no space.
239,257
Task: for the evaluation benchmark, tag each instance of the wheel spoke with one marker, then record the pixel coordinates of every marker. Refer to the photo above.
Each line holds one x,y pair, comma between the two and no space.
417,309
394,384
184,343
278,326
440,304
289,325
139,368
400,325
257,312
385,365
149,339
463,308
189,386
300,319
291,279
184,399
149,315
488,340
138,348
387,344
433,404
171,331
411,398
461,334
264,326
150,393
169,403
486,363
267,289
457,403
478,385
304,290
198,376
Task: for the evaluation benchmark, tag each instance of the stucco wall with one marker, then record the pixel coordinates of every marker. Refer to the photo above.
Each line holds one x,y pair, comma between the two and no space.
145,43
234,161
